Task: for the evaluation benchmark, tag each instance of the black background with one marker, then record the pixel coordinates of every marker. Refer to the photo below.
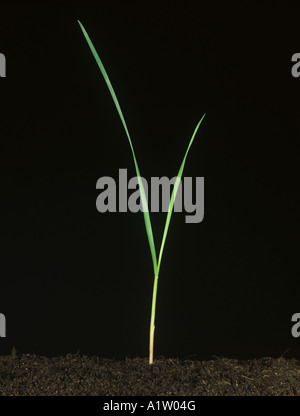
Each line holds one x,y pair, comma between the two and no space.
73,279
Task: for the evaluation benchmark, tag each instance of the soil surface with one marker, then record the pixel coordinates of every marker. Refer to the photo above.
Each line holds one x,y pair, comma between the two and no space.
69,375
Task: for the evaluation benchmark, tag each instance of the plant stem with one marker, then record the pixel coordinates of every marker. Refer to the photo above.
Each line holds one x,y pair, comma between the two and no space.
152,325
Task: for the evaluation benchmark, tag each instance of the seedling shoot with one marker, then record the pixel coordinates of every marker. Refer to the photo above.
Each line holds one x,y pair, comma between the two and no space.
156,262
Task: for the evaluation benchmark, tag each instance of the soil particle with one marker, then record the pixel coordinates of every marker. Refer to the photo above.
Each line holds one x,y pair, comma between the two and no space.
74,374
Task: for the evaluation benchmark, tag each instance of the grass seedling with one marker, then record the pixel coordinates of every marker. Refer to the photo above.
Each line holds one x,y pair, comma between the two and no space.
156,263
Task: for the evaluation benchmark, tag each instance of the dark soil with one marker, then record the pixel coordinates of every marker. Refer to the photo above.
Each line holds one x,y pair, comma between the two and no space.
70,375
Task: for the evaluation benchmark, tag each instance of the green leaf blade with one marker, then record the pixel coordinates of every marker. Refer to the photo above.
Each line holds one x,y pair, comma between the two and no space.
174,193
147,220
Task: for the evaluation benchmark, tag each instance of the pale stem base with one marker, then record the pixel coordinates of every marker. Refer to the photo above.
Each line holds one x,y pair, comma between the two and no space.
152,325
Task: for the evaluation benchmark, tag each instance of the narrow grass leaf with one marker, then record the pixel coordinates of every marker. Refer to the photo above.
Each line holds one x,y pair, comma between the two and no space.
141,186
173,196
